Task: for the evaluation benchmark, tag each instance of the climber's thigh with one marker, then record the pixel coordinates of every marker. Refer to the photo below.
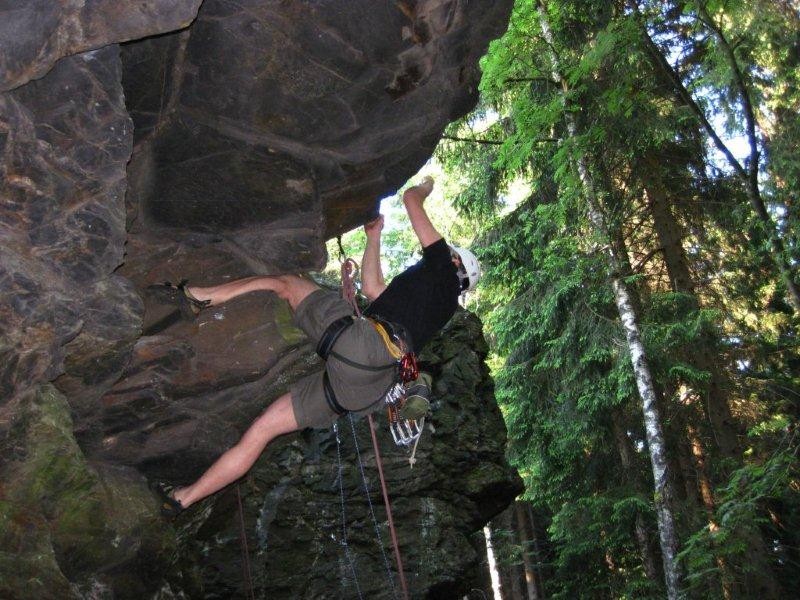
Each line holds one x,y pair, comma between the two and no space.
357,390
311,408
309,405
318,310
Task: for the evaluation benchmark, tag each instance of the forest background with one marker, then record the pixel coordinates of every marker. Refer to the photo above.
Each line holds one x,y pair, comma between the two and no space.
630,184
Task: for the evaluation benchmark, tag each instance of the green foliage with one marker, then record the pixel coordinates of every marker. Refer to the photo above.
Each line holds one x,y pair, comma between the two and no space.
717,330
597,527
725,547
674,328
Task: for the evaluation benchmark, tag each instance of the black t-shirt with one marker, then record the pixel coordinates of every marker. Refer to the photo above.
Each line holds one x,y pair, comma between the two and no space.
423,297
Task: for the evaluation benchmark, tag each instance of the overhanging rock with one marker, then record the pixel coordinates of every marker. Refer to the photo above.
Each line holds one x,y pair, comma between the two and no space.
359,91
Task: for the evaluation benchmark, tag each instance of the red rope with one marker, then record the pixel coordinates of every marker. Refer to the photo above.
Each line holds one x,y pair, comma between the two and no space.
349,270
386,503
408,366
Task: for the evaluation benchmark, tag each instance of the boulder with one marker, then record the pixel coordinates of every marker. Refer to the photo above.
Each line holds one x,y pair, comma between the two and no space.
37,33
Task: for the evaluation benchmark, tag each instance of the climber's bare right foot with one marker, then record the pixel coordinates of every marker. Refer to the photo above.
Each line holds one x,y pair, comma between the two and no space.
420,191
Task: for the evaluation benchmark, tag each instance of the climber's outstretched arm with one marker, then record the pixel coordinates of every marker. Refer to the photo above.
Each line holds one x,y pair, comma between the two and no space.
372,281
276,420
414,200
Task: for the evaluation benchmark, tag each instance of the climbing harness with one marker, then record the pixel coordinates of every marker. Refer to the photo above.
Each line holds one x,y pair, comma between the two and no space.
405,432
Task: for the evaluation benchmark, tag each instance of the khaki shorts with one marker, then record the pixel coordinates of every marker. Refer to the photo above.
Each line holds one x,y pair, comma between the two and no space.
356,389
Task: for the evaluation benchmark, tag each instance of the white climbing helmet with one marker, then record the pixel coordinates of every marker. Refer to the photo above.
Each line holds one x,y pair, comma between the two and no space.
470,271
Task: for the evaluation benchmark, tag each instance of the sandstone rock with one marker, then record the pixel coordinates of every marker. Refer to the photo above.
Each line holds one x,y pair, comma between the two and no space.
258,131
66,528
65,140
358,92
36,33
293,508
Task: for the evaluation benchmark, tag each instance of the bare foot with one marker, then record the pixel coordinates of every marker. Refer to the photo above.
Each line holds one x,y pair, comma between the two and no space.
420,191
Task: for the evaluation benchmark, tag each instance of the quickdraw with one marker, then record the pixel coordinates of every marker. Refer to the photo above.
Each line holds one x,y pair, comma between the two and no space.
409,370
405,432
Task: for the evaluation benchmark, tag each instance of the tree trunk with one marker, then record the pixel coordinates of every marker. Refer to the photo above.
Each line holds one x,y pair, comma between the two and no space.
749,176
525,537
761,581
711,402
664,494
694,504
511,575
670,238
714,398
707,496
537,551
491,561
644,381
626,456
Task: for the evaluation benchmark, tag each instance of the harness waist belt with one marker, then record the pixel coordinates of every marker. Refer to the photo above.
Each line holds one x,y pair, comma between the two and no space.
399,337
386,329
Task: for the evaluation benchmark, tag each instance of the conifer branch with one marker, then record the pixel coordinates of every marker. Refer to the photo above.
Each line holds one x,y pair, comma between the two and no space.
473,140
744,94
453,138
645,259
530,80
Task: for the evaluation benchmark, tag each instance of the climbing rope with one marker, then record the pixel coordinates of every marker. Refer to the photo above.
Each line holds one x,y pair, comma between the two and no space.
343,540
408,368
349,270
248,577
395,545
372,513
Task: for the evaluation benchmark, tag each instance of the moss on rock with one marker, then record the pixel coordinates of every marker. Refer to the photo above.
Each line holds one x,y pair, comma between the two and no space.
65,526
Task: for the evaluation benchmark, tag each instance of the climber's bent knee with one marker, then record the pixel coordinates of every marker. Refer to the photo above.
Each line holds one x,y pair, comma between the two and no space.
294,289
277,419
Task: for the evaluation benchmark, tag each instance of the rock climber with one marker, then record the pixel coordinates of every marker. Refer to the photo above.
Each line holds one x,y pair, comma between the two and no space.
360,367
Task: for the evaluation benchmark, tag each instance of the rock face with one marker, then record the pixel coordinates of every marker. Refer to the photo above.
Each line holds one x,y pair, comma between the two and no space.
36,33
65,141
221,139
